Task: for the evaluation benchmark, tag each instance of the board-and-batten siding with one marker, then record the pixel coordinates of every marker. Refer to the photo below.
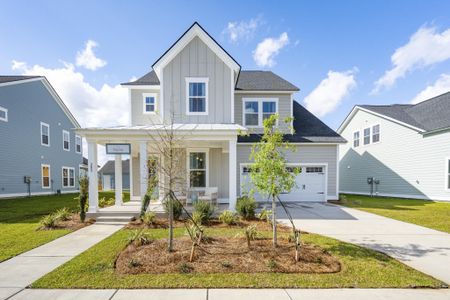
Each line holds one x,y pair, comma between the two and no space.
137,108
406,163
304,154
197,60
284,108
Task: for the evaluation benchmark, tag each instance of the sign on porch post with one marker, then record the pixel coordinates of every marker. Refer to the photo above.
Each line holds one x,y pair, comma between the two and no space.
118,148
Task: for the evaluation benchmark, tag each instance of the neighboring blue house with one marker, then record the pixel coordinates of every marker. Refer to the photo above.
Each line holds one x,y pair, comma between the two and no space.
106,174
39,151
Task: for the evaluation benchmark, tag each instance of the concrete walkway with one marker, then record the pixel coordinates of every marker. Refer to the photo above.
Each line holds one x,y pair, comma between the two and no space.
235,294
424,249
22,270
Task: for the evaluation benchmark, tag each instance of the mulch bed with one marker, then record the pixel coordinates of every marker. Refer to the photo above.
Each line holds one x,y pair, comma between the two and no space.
73,223
225,255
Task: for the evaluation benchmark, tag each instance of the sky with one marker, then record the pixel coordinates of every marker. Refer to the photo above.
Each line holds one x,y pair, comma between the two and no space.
339,53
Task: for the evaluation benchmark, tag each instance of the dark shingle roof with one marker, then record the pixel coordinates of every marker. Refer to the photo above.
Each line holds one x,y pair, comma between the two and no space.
108,168
429,115
11,78
247,81
308,129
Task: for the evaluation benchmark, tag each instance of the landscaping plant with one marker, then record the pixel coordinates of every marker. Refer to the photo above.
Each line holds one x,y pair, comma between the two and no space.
265,215
205,210
228,217
49,221
63,214
250,234
246,207
84,188
149,218
139,238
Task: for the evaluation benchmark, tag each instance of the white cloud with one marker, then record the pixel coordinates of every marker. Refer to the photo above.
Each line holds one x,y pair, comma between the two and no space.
426,47
330,92
266,50
87,58
105,106
442,85
243,30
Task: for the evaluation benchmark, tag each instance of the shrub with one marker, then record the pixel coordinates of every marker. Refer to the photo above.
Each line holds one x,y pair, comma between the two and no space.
139,238
185,268
250,234
49,221
177,208
245,207
205,209
228,217
149,218
265,215
84,187
63,214
103,202
197,217
272,264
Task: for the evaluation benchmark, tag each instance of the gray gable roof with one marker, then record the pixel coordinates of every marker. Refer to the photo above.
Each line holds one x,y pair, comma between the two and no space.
429,115
11,78
109,167
247,81
308,129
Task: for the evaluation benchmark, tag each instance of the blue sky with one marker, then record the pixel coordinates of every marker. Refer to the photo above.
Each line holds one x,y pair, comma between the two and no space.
334,51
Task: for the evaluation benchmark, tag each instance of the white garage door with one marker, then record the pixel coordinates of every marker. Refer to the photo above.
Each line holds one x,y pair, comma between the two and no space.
310,184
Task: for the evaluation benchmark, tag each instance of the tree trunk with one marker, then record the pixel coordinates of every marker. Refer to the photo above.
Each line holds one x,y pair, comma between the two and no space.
170,223
274,221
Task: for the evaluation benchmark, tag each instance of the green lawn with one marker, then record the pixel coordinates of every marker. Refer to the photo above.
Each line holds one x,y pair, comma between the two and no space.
19,219
435,215
362,268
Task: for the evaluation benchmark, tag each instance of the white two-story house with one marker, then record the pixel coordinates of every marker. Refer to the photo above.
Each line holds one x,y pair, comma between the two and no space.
201,90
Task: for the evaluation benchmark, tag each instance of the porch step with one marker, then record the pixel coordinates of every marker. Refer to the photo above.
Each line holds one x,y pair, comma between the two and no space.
113,219
128,214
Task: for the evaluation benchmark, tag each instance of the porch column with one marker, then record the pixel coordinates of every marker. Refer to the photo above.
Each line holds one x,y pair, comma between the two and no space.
131,177
93,179
118,179
143,167
232,173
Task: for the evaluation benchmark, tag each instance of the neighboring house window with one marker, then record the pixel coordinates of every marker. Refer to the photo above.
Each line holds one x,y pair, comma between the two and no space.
45,171
197,96
78,144
257,110
375,133
45,134
197,169
149,103
356,139
66,140
3,114
366,136
68,177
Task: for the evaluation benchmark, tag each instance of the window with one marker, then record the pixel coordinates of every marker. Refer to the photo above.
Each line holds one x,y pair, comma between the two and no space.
366,136
197,169
314,170
257,110
197,96
45,173
45,134
356,139
3,114
66,140
78,144
375,133
68,177
149,103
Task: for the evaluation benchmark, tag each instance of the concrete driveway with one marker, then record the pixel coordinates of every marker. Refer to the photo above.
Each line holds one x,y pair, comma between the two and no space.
424,249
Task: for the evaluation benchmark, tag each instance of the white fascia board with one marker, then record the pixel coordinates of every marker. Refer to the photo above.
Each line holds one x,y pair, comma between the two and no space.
263,92
142,87
20,81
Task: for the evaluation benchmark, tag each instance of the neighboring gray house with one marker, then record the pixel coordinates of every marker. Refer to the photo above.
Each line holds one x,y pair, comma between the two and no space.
201,89
39,151
404,147
106,174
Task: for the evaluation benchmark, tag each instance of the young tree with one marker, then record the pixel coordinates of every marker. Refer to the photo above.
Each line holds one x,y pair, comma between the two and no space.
83,197
271,176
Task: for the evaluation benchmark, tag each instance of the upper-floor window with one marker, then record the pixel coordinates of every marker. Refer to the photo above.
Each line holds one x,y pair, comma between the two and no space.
45,134
356,139
375,133
149,103
3,114
45,172
197,96
77,144
257,110
367,136
66,140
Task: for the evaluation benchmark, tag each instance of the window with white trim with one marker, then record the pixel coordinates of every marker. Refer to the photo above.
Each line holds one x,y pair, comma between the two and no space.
3,114
375,133
45,173
149,103
356,139
197,96
66,140
45,134
68,177
255,111
197,169
367,136
78,144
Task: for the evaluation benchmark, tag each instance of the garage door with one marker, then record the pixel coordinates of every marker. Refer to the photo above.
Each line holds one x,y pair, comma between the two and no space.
310,184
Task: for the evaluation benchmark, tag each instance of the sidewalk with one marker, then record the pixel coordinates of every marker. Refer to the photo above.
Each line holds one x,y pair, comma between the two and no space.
22,270
235,294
